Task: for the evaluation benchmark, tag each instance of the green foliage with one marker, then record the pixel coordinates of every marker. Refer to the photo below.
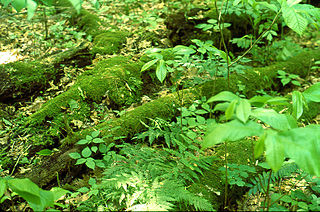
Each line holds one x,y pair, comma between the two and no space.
287,78
238,174
93,144
280,139
37,198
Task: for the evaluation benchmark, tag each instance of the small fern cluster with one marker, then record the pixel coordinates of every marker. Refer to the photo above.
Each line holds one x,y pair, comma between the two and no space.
141,177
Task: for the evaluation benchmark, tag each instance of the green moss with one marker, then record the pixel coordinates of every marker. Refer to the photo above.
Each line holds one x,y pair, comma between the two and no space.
27,77
108,42
119,84
87,22
24,74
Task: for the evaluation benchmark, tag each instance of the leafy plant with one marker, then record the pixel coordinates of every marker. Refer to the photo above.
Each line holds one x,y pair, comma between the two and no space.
86,154
287,78
37,198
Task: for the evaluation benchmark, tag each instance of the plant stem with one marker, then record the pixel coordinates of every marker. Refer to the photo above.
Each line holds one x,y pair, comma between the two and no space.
256,41
226,173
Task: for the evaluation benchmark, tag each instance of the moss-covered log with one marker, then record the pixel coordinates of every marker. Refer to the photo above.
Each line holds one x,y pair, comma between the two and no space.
20,79
115,79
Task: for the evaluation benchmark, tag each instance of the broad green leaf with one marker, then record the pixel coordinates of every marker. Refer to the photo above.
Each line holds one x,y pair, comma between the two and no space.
243,110
272,118
3,186
294,20
58,192
293,2
86,152
81,161
278,101
161,71
303,146
223,96
274,150
6,3
76,4
18,5
95,134
103,148
259,146
269,6
90,163
97,140
297,104
26,189
46,198
261,100
231,108
313,93
149,64
75,155
94,149
221,106
45,152
31,7
183,50
89,138
231,131
82,141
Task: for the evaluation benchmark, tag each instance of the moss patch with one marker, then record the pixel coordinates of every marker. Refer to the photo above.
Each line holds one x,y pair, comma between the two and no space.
108,42
120,84
26,77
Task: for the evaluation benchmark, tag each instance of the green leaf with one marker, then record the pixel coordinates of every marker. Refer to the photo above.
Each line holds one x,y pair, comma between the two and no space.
86,152
90,163
149,64
285,81
97,140
46,198
83,141
89,138
45,152
231,131
313,93
103,148
272,118
95,134
58,192
183,50
31,7
161,71
259,147
221,106
26,189
243,110
81,161
297,104
3,186
76,4
294,20
18,5
223,96
274,151
5,3
94,149
303,146
231,108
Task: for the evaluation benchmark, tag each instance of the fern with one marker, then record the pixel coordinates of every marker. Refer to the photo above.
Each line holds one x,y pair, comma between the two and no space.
260,182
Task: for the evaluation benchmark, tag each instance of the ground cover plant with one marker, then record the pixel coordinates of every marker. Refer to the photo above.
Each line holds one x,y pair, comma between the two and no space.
159,105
